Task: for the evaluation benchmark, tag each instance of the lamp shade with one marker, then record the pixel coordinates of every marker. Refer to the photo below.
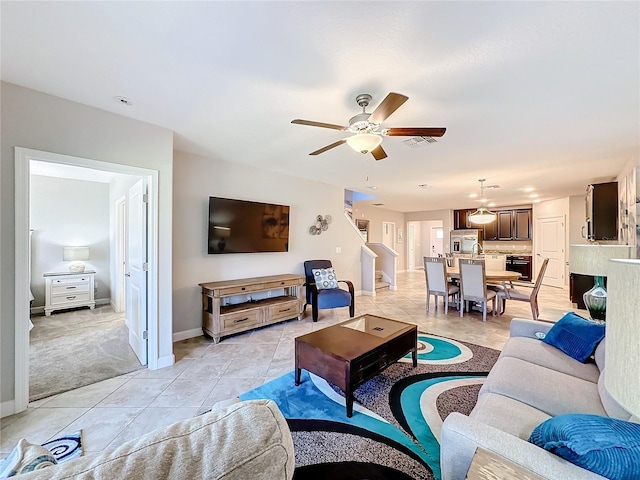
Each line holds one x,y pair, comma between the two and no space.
74,254
594,259
622,356
364,142
482,216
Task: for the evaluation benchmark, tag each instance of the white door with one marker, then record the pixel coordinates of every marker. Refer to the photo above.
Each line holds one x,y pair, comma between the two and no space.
388,234
411,246
550,237
437,236
136,291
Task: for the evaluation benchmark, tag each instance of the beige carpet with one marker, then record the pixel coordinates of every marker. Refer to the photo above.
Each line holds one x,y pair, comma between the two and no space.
72,349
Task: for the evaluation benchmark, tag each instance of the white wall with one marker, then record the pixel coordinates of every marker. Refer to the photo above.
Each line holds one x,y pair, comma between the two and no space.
68,212
39,121
444,216
377,215
197,178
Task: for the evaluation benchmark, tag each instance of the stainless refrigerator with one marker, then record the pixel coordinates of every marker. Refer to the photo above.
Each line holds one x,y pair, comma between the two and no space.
463,241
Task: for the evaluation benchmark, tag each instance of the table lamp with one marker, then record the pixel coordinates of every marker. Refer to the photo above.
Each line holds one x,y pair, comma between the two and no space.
77,256
593,259
622,380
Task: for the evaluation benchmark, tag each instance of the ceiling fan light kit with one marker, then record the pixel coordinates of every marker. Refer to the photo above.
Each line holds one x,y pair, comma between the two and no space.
364,142
367,127
482,216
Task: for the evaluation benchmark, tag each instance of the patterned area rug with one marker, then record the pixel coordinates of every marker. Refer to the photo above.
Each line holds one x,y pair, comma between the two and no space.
395,429
66,447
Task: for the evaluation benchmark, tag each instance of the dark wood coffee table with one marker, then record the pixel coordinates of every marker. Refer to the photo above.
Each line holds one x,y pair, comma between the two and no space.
348,354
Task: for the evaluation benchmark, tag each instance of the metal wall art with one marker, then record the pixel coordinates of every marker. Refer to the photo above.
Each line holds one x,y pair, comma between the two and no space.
321,225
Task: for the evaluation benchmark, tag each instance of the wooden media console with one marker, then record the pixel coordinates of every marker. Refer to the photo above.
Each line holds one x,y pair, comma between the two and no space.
234,306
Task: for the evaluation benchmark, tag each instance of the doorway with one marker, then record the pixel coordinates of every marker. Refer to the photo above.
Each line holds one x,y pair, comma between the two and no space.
23,157
550,243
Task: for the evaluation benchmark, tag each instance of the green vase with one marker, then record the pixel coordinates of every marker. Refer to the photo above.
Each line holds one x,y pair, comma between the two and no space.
596,300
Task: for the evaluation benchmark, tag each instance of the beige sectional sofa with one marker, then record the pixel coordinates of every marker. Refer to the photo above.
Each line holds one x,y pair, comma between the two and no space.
530,383
247,440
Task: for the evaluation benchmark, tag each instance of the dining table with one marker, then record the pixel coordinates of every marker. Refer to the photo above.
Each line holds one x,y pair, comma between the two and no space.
492,276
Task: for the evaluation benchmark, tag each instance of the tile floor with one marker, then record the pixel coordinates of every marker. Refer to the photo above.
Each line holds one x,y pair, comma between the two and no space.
119,409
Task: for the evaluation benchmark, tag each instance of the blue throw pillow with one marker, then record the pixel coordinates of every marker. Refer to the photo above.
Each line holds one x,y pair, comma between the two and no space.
575,336
603,445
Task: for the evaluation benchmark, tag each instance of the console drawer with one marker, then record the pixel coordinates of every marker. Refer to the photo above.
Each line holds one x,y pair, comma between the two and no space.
69,288
243,319
283,310
237,290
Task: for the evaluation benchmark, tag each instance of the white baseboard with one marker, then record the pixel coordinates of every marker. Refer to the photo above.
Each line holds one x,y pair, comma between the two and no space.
185,334
366,293
7,408
393,287
99,301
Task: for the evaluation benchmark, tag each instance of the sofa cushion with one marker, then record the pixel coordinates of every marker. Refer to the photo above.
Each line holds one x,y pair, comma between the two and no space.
575,336
534,351
607,446
555,393
508,415
325,278
249,439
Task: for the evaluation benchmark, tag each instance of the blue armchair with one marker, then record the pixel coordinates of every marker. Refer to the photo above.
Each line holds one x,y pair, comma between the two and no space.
323,291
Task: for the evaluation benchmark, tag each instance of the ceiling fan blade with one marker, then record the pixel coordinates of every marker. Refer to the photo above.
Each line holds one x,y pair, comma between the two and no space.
379,153
390,104
297,121
328,147
415,132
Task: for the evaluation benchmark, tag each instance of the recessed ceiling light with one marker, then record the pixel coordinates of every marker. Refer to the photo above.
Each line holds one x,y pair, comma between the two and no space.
533,195
528,189
372,187
491,204
483,200
424,185
123,100
473,195
536,201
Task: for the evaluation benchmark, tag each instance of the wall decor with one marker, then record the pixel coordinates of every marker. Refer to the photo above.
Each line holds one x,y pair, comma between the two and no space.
321,225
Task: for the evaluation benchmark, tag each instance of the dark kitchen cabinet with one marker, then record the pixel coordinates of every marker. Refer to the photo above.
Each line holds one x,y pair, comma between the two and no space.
490,231
505,225
461,219
514,224
522,224
602,211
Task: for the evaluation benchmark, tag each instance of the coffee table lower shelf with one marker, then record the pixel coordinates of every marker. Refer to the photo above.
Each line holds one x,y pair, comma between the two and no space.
347,357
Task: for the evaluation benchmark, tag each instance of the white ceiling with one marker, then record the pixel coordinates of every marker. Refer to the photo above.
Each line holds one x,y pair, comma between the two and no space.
533,94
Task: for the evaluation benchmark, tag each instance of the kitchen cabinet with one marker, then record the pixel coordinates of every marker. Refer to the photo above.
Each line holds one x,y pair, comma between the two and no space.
514,224
490,231
505,225
510,224
461,219
602,211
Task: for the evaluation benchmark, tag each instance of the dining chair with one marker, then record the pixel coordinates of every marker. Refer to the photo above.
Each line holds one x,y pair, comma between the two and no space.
524,296
435,274
473,286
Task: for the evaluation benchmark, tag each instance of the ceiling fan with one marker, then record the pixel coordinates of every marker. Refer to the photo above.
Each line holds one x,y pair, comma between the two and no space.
367,127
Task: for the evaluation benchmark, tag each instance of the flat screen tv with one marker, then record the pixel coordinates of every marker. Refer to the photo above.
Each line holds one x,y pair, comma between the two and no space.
240,226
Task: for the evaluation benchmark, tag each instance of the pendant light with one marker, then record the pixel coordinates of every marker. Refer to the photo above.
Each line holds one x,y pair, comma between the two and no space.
482,216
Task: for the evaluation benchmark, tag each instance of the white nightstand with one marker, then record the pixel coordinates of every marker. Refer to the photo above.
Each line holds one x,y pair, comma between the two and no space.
68,290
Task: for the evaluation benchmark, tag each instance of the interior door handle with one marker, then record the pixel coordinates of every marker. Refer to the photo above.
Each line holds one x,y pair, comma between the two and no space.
127,274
